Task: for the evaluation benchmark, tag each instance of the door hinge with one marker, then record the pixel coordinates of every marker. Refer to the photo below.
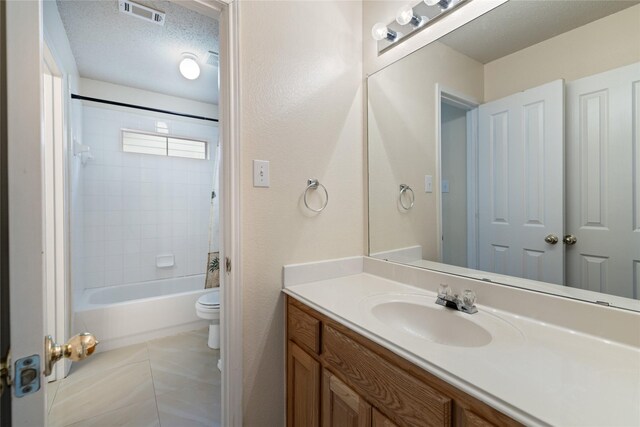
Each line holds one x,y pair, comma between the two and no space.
227,264
6,378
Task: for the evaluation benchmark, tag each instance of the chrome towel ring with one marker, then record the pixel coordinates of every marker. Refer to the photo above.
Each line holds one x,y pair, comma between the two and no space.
313,184
403,190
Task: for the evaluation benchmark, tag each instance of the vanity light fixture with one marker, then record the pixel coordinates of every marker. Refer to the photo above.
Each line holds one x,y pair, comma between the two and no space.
444,4
410,20
406,15
382,32
189,67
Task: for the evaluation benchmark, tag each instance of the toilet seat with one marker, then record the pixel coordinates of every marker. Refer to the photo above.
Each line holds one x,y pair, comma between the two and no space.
210,300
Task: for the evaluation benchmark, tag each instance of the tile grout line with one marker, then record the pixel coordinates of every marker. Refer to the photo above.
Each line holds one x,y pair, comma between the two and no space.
53,401
153,383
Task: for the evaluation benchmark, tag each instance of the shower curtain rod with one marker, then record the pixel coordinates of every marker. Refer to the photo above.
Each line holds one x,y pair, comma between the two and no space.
140,107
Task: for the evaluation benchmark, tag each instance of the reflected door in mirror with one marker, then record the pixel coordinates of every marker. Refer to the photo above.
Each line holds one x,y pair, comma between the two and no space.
520,193
603,181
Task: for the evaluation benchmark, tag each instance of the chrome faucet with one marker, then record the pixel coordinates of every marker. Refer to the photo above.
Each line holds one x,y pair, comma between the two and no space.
447,298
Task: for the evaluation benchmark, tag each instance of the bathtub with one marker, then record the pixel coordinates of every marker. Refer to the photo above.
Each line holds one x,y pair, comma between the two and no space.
129,314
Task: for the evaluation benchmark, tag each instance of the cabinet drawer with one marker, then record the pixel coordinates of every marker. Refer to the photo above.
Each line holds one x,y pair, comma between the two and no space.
303,329
405,400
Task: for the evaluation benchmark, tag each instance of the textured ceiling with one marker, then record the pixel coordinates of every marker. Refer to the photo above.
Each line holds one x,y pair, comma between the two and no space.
518,24
121,49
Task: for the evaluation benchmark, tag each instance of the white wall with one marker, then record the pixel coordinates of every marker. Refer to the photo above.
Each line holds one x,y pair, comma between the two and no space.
301,109
138,206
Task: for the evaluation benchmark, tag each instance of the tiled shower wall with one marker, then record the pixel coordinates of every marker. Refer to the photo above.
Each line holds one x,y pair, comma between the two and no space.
139,206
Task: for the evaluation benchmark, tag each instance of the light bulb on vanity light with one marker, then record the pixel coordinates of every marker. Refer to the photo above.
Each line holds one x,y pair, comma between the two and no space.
189,67
444,4
381,32
405,15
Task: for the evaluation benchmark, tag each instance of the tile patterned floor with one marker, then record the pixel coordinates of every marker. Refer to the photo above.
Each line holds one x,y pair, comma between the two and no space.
168,382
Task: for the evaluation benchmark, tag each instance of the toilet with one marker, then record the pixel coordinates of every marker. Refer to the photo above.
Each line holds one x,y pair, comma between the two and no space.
208,307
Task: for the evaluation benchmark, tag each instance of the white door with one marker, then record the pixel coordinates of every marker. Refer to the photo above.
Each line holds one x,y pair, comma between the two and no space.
603,182
26,207
520,174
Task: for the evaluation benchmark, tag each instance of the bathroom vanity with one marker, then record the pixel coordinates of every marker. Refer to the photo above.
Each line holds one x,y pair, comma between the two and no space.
342,378
368,345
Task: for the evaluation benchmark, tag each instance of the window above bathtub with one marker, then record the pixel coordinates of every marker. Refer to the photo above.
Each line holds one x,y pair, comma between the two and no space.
134,141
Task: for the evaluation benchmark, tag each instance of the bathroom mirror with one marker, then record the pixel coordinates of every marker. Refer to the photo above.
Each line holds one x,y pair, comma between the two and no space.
509,150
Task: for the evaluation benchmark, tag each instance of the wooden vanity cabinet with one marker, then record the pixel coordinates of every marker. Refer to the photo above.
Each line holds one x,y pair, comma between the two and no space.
341,406
338,378
303,388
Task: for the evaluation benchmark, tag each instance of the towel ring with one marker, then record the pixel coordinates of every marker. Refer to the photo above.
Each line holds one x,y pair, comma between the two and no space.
313,184
403,190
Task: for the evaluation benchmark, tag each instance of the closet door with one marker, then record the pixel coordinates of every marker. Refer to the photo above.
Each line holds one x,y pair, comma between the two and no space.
520,195
603,182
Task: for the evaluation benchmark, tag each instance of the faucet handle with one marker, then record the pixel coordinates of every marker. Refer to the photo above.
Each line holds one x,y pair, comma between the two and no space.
444,291
468,298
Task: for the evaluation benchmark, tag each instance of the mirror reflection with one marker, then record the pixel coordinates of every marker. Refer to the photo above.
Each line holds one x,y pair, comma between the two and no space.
515,151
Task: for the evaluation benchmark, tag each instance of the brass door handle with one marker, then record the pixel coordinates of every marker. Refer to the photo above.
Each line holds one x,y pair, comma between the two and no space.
551,239
78,347
570,239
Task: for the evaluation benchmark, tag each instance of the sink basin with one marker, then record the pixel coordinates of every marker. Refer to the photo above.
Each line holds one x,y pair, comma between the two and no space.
411,316
437,324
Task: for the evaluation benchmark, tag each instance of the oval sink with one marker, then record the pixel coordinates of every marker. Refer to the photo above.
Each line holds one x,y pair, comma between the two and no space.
437,324
407,316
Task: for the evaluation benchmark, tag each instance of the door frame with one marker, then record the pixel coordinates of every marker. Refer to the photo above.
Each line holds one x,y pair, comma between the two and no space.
5,400
230,214
24,102
58,218
469,104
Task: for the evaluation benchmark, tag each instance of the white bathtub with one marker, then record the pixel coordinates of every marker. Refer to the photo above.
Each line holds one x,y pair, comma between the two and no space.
128,314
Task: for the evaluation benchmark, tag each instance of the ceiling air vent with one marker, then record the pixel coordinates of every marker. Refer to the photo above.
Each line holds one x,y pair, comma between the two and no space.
211,58
142,12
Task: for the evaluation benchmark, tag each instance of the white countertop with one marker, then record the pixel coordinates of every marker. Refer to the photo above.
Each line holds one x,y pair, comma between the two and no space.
537,373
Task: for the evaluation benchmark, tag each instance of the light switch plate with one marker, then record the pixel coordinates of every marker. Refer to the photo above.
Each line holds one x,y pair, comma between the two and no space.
261,173
428,183
445,185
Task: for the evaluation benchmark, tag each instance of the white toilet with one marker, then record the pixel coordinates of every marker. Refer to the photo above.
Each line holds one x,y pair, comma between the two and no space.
208,307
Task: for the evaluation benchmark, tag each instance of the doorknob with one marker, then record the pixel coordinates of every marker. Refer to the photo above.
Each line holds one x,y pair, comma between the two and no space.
78,347
570,239
551,239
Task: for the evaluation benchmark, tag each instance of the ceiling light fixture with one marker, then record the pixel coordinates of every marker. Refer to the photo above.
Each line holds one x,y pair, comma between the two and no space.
189,67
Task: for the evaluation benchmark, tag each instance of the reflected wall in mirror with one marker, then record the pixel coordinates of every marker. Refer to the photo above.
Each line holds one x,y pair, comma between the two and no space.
519,134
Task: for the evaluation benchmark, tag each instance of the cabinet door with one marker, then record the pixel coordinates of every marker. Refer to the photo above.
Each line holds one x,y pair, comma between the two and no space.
341,406
303,388
379,420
